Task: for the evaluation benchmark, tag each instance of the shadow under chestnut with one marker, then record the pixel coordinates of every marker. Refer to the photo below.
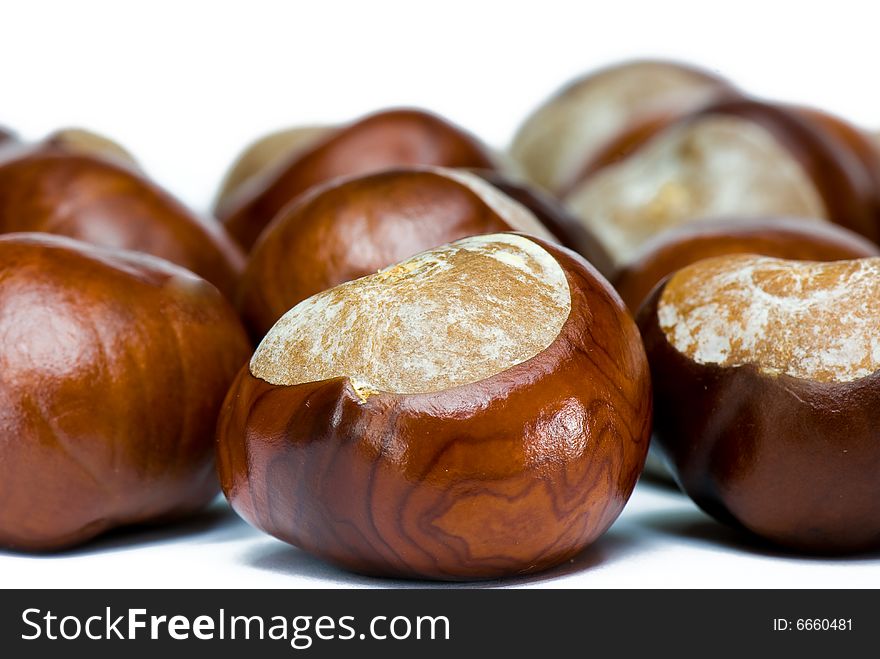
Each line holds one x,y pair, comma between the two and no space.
290,561
216,523
696,526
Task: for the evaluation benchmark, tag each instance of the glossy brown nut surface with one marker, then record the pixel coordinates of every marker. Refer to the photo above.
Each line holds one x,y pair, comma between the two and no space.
553,215
353,227
795,460
510,474
113,366
92,199
393,138
788,238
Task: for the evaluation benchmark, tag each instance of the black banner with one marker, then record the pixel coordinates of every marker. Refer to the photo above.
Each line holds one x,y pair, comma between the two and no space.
428,623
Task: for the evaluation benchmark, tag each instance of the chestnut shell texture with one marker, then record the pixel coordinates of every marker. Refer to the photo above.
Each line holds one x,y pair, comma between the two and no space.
767,393
113,367
354,436
88,197
393,138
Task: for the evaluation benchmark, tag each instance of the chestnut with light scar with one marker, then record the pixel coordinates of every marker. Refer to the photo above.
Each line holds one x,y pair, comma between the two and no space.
424,325
767,395
479,409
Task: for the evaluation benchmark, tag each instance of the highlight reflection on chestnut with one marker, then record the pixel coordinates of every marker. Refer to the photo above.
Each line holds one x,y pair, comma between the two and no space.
478,410
73,192
767,393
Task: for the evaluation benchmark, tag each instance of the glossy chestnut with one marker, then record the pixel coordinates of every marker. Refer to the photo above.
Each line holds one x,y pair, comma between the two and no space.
393,138
766,377
114,367
92,198
481,409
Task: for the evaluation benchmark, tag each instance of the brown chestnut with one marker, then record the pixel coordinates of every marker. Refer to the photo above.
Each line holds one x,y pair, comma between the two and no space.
91,198
767,393
563,136
788,238
379,141
478,410
737,158
349,228
114,367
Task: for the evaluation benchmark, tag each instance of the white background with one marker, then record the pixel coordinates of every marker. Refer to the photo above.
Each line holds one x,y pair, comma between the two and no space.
184,85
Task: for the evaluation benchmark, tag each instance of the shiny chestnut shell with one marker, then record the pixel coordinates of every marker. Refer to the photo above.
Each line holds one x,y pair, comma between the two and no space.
790,459
352,227
91,198
393,138
511,474
114,366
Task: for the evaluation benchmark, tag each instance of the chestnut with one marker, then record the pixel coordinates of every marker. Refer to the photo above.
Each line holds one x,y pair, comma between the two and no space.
80,140
379,141
352,227
114,368
262,156
788,238
92,198
478,410
767,392
736,158
565,134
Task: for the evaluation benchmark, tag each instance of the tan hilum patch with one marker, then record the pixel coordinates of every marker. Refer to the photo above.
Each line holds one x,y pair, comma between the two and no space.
816,321
450,316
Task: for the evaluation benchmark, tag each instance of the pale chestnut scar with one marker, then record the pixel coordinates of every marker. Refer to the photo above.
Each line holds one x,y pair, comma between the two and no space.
575,124
450,316
713,167
816,321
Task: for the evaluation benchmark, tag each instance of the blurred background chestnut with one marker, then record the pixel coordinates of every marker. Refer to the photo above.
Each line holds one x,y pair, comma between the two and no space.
62,187
568,131
352,227
735,158
378,141
262,156
81,140
113,366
